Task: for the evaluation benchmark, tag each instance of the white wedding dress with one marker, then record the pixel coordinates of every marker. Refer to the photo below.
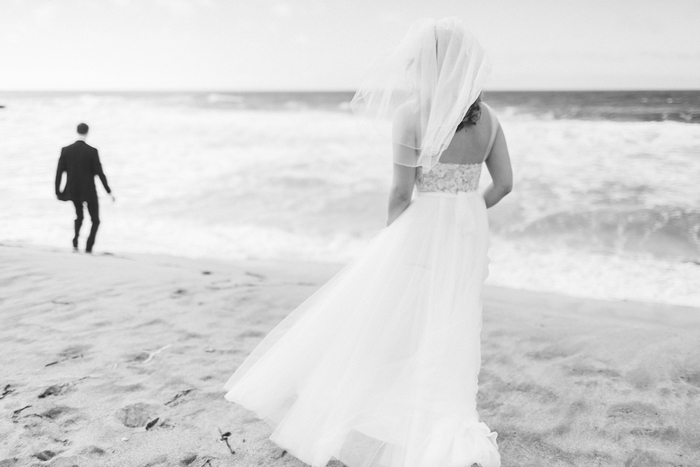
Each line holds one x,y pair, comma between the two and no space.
379,367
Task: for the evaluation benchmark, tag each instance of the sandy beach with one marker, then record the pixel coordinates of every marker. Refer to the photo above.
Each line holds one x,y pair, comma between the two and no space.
119,360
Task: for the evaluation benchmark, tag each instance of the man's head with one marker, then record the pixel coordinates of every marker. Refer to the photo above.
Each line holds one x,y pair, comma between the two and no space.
83,129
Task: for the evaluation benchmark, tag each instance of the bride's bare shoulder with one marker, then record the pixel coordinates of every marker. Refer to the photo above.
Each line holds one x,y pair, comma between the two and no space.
408,111
490,112
406,118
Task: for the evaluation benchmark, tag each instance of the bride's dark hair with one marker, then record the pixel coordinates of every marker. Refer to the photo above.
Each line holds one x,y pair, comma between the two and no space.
472,116
443,36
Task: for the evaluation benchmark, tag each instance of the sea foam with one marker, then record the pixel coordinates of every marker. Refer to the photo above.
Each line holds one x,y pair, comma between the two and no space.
601,208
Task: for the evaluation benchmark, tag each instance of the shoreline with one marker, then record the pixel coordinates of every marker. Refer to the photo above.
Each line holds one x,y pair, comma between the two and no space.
332,267
121,360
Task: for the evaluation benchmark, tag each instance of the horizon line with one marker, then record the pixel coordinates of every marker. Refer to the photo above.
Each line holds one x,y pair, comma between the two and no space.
309,91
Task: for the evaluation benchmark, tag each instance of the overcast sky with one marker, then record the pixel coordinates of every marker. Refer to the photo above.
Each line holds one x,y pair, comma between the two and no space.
327,44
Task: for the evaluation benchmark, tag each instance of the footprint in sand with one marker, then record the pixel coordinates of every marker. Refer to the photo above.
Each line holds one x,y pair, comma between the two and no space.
668,433
46,455
159,460
640,378
589,369
139,357
55,390
137,415
74,351
54,413
117,388
554,351
535,390
251,333
188,458
93,451
256,275
634,409
179,293
692,378
496,385
69,419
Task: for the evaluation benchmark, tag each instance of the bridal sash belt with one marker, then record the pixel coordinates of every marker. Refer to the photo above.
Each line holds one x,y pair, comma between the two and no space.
464,213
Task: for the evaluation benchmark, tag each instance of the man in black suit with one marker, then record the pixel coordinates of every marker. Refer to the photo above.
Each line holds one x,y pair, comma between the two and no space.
81,163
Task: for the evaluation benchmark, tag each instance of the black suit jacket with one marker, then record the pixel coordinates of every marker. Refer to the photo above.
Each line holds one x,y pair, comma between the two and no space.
81,163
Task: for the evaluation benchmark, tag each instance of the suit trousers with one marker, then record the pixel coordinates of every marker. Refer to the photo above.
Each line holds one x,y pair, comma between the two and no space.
94,210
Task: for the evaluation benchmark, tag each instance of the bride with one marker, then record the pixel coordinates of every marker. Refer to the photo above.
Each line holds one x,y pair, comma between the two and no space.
379,367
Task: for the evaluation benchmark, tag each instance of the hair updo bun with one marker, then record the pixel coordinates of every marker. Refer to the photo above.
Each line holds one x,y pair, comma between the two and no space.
472,116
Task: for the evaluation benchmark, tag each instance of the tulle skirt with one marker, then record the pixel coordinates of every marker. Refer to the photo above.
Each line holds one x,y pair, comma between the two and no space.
379,367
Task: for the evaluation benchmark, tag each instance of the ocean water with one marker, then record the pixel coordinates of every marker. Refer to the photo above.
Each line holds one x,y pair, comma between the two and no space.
606,201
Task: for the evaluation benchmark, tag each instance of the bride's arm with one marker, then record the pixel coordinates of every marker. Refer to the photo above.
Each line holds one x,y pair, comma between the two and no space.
498,165
405,159
401,190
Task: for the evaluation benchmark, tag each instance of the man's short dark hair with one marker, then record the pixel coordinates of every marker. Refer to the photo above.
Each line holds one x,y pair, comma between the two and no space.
83,129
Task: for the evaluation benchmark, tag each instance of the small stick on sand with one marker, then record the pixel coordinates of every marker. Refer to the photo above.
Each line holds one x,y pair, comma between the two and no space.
16,413
179,395
224,438
150,424
153,354
67,358
7,390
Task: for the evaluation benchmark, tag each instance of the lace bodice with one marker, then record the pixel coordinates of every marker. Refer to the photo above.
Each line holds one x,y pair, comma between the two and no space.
449,178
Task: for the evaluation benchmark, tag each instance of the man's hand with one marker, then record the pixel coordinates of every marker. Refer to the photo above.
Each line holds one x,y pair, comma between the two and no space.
113,198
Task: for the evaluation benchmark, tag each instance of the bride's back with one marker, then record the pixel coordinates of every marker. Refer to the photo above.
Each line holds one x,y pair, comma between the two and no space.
469,145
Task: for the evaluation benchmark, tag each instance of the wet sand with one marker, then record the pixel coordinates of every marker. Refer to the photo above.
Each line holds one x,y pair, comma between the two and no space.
113,360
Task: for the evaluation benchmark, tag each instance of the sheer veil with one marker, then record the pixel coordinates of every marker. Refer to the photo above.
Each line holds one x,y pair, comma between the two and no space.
424,86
